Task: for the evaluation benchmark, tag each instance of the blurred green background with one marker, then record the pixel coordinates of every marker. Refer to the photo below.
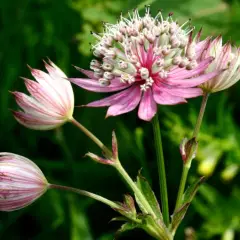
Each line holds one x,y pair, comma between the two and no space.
32,30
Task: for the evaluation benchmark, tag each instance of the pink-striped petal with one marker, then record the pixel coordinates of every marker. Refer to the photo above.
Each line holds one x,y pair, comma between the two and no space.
52,87
165,98
181,92
42,95
127,103
108,101
61,84
181,73
32,106
192,82
95,86
147,107
35,122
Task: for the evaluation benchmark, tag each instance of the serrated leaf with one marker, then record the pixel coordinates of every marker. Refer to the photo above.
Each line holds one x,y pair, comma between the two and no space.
147,191
178,217
191,191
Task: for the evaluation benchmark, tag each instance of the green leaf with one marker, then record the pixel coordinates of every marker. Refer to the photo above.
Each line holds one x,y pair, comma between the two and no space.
126,227
188,196
191,191
178,217
147,191
119,219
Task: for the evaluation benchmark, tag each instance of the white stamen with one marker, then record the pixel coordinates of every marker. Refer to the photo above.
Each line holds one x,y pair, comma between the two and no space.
127,78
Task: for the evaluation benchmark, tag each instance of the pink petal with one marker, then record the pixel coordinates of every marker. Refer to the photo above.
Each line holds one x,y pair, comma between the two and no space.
127,103
35,122
108,101
181,73
181,92
94,85
148,107
192,82
201,46
89,74
165,98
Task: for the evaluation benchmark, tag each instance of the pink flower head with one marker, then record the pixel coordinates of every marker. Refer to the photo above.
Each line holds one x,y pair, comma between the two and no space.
21,182
51,102
151,60
227,62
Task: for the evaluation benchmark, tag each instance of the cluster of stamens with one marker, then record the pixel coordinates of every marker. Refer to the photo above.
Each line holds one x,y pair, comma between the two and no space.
141,49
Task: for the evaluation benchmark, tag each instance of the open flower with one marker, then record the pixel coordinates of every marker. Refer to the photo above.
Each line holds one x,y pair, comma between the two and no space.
21,182
51,102
152,60
227,62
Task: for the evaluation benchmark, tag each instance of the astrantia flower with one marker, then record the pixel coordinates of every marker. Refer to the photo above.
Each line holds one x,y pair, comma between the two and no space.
51,102
153,60
21,182
227,59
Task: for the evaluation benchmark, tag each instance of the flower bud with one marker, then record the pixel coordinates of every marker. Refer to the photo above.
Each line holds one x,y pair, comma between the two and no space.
188,149
22,182
51,102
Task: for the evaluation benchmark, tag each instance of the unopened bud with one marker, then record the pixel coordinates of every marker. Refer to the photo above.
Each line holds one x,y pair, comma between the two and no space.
21,182
188,149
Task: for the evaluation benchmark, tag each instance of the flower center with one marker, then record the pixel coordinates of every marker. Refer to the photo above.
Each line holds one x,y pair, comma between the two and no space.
141,49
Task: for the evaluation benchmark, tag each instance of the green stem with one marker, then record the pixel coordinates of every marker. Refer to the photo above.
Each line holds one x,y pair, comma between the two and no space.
181,187
135,189
118,166
87,194
201,113
92,137
161,169
188,162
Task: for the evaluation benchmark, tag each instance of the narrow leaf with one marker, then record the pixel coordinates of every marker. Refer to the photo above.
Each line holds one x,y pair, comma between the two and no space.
191,191
147,191
126,227
178,217
188,196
